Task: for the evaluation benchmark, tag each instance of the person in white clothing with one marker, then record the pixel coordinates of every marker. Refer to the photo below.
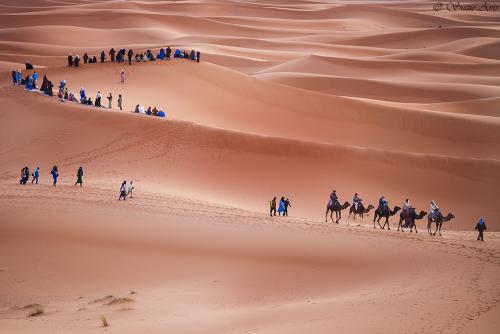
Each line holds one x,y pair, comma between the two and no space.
130,189
434,210
407,205
357,200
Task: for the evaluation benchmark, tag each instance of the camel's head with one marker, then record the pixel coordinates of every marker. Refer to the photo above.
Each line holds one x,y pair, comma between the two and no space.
370,207
397,208
423,213
346,205
450,216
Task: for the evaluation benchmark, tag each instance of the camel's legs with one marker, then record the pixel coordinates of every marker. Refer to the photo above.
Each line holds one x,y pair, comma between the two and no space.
440,225
415,225
378,221
437,224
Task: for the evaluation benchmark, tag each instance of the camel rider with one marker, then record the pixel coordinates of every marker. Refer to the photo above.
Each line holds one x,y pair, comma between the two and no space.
357,201
333,197
407,206
434,210
382,204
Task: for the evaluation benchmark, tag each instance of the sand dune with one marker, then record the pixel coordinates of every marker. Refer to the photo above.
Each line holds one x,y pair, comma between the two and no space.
291,98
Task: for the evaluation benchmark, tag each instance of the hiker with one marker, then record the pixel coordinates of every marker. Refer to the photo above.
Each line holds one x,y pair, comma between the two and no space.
35,79
79,175
14,77
94,59
98,99
281,208
65,94
130,54
130,189
29,83
154,112
168,53
120,100
272,207
70,60
19,77
480,227
25,174
77,61
36,175
161,54
123,191
112,54
122,76
198,56
72,98
192,55
287,204
49,88
161,113
110,99
83,97
55,174
103,56
148,112
85,58
29,65
142,109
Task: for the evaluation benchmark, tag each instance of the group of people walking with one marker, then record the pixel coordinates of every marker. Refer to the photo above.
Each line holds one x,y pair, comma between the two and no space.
283,206
54,172
126,190
119,56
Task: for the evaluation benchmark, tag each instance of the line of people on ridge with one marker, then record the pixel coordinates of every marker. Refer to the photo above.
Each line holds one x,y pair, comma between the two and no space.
282,208
25,175
119,56
64,95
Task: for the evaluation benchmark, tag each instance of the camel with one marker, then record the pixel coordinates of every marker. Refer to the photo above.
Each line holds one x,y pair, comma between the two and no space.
337,208
386,213
439,220
361,211
409,219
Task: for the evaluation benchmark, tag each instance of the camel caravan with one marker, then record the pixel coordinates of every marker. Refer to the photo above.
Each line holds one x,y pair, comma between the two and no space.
407,217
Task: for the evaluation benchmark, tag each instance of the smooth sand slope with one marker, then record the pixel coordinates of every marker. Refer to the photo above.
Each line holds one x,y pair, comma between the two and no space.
291,98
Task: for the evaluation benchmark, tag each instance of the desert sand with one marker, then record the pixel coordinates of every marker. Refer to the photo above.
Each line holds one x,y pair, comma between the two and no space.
291,98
